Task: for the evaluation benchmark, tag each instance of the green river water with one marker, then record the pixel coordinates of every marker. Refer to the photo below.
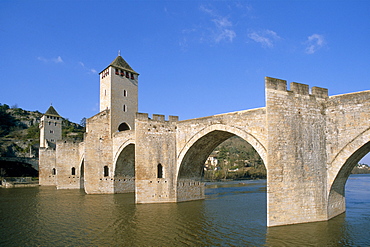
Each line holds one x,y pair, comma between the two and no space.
233,214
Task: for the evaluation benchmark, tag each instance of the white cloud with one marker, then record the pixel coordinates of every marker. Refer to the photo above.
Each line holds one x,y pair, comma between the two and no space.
224,31
314,43
58,60
207,10
223,27
51,60
265,37
92,71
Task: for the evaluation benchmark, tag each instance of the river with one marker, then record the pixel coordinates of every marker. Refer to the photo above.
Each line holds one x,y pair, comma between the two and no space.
233,214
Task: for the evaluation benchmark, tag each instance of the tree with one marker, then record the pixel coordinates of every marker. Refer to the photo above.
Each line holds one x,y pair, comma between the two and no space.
6,120
83,122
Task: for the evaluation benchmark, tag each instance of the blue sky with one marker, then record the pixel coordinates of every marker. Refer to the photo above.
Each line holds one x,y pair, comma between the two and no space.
195,58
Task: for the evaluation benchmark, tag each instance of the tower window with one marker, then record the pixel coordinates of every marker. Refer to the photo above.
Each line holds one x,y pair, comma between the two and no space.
54,171
117,72
73,171
122,73
124,93
55,124
127,75
159,171
51,131
124,108
123,127
132,76
106,171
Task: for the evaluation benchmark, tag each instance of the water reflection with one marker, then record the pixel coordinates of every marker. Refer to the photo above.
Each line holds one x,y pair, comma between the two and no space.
325,233
233,214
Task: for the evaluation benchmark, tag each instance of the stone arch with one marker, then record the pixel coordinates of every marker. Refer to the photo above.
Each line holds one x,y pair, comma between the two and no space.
82,173
194,154
120,149
225,133
340,168
124,168
123,126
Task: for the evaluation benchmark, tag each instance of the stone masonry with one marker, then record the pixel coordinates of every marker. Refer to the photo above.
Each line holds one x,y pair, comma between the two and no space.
309,142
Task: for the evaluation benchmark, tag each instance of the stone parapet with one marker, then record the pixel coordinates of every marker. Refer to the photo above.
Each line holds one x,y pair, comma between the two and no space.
295,88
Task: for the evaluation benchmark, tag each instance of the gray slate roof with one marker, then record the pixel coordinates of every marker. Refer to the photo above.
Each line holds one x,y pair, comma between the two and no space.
120,63
52,112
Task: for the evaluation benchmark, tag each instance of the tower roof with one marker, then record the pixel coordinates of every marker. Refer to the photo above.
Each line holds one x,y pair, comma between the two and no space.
52,112
120,63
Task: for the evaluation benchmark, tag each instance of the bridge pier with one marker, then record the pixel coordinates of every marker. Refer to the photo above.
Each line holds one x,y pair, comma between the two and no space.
296,125
155,159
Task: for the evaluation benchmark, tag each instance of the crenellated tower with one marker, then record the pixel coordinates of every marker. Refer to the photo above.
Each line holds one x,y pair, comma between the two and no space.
119,94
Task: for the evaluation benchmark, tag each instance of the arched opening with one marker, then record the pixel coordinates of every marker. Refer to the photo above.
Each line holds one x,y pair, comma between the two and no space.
123,127
159,171
234,159
194,166
53,171
336,198
124,173
82,175
73,171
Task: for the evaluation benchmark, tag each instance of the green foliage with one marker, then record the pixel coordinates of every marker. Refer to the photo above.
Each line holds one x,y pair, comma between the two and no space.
237,159
33,132
20,112
72,130
7,121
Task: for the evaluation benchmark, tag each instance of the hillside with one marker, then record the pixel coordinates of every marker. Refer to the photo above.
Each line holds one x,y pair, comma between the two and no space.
234,159
20,134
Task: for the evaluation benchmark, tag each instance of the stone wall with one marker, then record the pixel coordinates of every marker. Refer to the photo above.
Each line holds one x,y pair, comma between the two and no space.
68,163
348,141
189,189
155,159
47,162
296,155
98,156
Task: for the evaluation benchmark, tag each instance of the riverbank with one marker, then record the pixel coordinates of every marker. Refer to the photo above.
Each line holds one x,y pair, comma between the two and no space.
18,182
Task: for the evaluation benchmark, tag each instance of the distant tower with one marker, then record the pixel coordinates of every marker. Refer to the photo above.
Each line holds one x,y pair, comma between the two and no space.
50,128
119,94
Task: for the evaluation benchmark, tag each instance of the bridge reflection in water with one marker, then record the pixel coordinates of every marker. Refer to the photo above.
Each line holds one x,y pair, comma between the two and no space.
233,213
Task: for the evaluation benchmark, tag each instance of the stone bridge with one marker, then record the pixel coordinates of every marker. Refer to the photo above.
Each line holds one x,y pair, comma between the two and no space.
308,141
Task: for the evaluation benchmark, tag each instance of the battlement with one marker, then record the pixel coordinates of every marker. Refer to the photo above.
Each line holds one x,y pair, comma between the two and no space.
156,117
296,88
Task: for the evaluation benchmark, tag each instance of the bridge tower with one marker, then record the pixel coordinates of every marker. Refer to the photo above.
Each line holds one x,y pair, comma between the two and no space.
50,128
119,94
50,132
